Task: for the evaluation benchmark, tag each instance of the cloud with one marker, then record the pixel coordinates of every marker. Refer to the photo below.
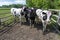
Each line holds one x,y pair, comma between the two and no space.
5,2
20,1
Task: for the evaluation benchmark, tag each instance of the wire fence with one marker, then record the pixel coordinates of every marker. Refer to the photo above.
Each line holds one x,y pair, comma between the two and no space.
55,19
6,22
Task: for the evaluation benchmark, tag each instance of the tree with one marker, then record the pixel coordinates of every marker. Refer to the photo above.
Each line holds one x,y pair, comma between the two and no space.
44,4
37,3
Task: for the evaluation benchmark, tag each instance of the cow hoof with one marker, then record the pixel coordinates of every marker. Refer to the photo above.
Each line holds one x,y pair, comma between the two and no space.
44,32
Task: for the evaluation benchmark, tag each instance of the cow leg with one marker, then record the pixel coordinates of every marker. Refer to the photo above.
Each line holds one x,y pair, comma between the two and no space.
31,23
20,19
44,26
26,19
14,18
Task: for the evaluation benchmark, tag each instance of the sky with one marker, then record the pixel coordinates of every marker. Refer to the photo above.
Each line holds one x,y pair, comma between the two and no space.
8,2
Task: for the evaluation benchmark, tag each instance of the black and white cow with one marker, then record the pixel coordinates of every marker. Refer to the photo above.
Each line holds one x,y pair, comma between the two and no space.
44,16
18,12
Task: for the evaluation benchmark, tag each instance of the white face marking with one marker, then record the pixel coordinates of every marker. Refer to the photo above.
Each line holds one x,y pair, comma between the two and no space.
23,7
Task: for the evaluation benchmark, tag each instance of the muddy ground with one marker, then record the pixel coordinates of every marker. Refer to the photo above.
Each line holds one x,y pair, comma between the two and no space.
25,32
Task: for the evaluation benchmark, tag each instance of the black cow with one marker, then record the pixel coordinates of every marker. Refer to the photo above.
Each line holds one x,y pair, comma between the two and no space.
30,15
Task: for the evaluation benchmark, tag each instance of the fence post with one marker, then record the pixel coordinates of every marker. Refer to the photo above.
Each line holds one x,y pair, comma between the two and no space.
58,21
0,22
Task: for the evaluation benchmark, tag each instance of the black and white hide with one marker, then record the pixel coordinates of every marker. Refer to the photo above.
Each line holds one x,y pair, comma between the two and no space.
44,16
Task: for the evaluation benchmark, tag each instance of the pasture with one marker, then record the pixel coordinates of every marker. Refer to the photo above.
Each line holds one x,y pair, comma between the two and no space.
25,31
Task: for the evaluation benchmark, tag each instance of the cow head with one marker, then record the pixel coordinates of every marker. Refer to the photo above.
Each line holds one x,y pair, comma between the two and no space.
24,8
46,15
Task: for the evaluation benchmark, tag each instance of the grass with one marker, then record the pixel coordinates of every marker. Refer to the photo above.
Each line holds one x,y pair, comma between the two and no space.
5,12
9,21
4,15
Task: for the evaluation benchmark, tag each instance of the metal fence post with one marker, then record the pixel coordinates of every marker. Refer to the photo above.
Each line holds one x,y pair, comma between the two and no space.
58,20
0,21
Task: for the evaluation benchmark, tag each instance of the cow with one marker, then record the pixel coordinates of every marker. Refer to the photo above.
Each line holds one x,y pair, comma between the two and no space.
44,16
20,12
30,15
17,12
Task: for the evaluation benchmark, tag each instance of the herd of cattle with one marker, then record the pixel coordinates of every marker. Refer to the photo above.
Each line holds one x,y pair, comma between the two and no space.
31,13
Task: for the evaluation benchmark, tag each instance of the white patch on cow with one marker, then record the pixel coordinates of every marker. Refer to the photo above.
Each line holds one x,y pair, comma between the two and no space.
39,13
12,10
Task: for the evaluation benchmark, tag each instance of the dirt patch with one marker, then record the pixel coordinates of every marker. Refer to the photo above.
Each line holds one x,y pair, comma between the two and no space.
25,32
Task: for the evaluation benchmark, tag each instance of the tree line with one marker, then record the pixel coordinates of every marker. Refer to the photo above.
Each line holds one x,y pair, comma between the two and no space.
12,5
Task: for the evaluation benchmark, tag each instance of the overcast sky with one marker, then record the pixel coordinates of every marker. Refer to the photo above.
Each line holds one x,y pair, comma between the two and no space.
7,2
